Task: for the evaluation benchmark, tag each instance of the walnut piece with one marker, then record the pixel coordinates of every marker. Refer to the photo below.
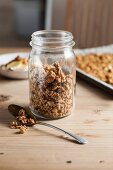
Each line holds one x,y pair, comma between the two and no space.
23,129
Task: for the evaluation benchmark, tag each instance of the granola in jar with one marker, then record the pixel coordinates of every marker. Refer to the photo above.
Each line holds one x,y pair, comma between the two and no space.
51,91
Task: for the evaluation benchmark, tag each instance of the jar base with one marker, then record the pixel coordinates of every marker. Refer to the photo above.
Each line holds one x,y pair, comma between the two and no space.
39,116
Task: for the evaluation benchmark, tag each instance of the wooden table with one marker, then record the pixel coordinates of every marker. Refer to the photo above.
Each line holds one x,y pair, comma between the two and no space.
46,149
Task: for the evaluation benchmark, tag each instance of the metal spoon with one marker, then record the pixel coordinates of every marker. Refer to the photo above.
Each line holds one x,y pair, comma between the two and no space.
14,110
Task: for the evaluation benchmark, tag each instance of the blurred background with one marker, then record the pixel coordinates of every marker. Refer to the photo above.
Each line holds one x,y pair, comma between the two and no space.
90,21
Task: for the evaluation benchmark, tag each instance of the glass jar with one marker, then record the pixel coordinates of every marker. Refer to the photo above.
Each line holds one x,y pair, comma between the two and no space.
52,74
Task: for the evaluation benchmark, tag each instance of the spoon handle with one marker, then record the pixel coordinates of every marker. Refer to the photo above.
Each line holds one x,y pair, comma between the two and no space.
76,137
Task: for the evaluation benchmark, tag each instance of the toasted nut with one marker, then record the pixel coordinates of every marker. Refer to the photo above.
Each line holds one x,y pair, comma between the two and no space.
22,112
23,129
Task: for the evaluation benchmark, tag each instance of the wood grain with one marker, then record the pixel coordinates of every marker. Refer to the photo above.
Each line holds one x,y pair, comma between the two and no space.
44,148
14,50
90,21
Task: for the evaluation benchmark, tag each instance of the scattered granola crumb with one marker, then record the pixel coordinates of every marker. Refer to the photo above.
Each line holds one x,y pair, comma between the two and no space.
23,129
69,162
1,153
101,161
4,98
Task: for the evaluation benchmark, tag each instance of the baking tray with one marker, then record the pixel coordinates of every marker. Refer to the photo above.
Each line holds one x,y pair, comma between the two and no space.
86,76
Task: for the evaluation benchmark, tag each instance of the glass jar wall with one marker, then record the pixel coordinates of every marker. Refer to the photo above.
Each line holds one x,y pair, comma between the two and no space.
52,74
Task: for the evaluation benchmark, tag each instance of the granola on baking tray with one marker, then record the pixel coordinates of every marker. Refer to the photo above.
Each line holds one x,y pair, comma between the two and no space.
97,65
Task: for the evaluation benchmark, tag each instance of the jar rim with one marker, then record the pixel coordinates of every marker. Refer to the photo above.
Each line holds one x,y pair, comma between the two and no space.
57,38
